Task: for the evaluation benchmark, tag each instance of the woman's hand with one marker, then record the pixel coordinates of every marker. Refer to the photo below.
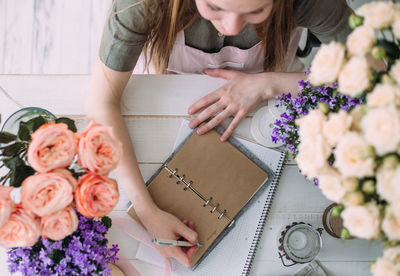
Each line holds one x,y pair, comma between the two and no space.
235,99
163,225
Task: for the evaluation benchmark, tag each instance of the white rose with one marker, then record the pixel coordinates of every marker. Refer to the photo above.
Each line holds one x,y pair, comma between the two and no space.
383,94
395,207
392,254
327,63
329,181
381,127
362,221
391,225
386,183
354,156
395,71
313,155
378,15
355,76
396,24
310,124
357,114
353,199
360,41
337,125
384,267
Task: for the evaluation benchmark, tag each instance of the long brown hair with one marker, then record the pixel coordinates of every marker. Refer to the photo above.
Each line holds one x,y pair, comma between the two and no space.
165,18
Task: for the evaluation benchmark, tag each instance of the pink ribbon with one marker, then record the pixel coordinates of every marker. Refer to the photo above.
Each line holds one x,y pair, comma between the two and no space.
136,231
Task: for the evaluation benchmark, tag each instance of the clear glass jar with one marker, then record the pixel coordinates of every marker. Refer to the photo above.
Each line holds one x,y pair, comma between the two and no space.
11,125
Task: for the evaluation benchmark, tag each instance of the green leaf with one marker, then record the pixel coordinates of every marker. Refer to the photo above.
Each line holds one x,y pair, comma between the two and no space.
392,50
12,163
6,137
36,122
24,133
57,255
70,123
106,221
12,149
21,172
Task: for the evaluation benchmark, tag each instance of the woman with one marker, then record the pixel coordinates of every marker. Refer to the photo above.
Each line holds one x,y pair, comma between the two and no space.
246,42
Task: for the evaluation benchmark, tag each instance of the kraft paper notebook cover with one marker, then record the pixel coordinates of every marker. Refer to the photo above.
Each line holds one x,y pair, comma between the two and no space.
210,183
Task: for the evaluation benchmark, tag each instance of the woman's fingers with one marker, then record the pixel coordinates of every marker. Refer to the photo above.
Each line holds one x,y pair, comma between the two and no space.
187,233
215,121
204,102
191,251
233,125
180,255
206,114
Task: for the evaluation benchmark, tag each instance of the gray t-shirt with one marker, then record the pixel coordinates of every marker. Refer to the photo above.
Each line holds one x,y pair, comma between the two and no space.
124,34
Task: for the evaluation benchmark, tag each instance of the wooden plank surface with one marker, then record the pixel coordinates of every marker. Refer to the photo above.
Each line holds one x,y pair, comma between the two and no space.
17,36
153,133
145,95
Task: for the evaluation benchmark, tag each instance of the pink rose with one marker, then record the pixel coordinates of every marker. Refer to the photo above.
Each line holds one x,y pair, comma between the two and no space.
47,193
52,146
21,229
96,195
59,225
6,204
99,151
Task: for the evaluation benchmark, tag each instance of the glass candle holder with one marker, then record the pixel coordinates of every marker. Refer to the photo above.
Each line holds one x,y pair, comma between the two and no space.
299,243
11,125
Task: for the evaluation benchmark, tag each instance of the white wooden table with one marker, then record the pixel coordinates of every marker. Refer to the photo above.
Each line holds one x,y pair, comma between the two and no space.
154,107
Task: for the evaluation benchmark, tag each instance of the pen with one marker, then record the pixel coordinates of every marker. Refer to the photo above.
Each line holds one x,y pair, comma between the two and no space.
173,243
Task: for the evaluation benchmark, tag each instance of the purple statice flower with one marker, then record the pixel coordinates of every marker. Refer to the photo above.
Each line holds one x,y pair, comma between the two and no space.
84,252
308,98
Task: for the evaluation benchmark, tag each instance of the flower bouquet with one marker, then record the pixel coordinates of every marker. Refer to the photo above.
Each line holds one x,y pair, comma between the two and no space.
58,183
355,154
308,98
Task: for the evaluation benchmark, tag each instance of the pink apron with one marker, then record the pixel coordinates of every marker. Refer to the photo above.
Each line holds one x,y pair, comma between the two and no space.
188,60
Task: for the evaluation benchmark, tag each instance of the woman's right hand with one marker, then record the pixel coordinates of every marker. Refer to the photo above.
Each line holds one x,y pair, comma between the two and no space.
163,225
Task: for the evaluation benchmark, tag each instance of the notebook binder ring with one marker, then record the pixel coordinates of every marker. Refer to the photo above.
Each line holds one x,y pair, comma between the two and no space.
188,185
221,215
215,208
208,201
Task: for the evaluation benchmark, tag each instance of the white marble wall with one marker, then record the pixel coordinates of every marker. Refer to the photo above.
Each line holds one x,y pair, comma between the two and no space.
54,36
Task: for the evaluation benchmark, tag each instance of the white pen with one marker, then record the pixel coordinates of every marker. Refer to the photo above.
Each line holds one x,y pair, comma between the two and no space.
173,243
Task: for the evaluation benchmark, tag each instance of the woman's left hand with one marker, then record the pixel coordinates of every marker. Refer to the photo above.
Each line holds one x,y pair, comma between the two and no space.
235,99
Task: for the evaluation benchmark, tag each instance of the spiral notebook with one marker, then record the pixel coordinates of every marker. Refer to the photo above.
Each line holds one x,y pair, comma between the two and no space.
243,205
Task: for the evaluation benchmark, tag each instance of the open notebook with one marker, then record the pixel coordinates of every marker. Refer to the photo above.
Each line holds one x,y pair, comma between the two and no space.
230,257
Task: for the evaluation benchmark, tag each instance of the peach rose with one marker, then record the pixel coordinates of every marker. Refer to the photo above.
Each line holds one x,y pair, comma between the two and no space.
99,151
6,204
52,146
96,195
21,229
59,225
47,193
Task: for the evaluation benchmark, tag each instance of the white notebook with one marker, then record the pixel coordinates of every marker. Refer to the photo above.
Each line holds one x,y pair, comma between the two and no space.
235,253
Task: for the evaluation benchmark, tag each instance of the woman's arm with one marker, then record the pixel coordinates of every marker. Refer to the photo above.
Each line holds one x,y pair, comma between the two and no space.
103,106
241,93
